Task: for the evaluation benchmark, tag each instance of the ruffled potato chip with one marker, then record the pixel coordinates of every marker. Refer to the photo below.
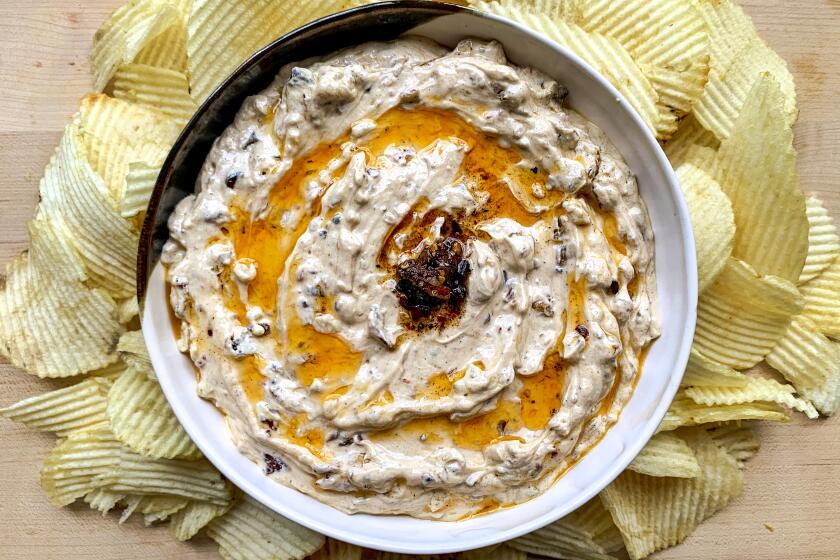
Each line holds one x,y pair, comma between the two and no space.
216,46
703,372
727,92
756,167
127,309
742,316
51,324
158,88
755,389
142,419
64,411
689,133
587,533
811,362
712,222
167,50
139,184
604,54
74,195
668,39
186,523
251,530
658,512
737,439
666,454
71,469
132,349
822,300
738,57
125,33
685,412
117,133
823,242
103,500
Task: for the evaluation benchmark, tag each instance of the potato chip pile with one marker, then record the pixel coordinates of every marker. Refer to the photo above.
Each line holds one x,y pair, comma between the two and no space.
720,100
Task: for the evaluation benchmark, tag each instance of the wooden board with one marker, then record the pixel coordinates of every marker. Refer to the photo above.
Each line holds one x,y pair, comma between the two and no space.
789,506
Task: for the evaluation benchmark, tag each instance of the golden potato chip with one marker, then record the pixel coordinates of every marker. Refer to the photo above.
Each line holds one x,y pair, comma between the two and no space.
754,389
587,533
73,195
685,412
756,167
668,39
251,530
51,324
689,133
712,222
103,500
139,184
653,513
726,93
142,419
811,362
117,133
158,88
216,47
742,316
167,50
127,309
730,31
72,467
125,33
822,300
187,522
737,439
703,372
132,349
604,54
701,157
823,242
153,508
666,454
63,411
136,474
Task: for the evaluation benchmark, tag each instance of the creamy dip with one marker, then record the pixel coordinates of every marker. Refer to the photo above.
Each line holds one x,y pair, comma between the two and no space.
413,281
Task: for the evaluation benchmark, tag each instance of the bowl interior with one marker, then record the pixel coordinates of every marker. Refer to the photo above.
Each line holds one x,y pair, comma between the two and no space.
676,275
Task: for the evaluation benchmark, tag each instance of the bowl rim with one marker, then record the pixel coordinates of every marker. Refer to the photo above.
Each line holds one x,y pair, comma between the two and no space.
144,271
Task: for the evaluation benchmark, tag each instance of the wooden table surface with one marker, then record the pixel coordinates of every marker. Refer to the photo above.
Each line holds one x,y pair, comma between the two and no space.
789,508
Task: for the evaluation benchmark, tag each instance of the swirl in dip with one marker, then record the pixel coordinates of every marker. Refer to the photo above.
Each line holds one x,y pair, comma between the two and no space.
413,281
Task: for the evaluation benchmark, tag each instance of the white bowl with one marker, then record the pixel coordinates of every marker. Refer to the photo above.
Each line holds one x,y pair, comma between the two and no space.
595,98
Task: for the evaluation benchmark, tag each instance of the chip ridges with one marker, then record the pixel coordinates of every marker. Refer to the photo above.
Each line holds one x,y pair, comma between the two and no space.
588,533
163,89
742,315
712,222
822,300
666,454
823,241
187,522
125,33
40,305
142,419
756,168
657,512
811,362
63,411
250,530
